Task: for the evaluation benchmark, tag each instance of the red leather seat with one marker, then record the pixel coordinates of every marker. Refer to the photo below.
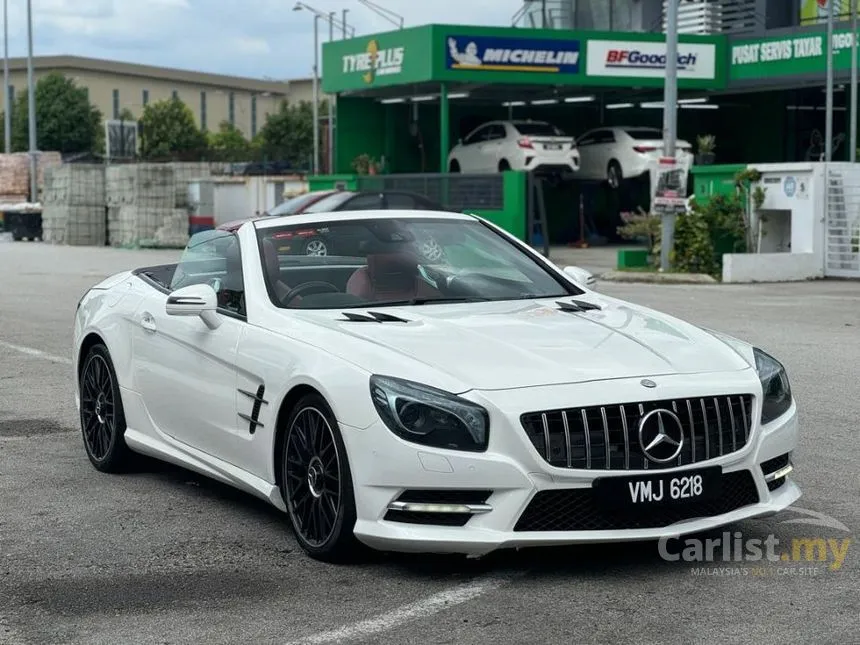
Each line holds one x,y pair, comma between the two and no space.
273,271
390,276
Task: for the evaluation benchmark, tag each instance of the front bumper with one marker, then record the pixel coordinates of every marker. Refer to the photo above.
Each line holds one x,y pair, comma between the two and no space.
514,475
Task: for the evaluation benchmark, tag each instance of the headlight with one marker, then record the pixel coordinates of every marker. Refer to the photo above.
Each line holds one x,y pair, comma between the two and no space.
776,391
423,414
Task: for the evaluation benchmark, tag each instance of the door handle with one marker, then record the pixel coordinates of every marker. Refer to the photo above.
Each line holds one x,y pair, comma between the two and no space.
148,322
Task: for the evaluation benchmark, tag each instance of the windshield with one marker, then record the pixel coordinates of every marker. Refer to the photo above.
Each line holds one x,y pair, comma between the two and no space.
292,205
538,130
645,134
398,261
328,204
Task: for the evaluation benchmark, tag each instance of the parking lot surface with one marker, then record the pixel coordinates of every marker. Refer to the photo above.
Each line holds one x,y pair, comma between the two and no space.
166,556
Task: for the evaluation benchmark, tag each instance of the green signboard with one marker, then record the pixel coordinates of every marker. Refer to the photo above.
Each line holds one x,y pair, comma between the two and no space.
471,54
513,56
784,56
391,58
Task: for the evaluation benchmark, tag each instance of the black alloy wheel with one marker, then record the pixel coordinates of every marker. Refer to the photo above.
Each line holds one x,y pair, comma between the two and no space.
316,482
102,415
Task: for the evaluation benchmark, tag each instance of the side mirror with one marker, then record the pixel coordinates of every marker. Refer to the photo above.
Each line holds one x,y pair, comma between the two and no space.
581,277
195,300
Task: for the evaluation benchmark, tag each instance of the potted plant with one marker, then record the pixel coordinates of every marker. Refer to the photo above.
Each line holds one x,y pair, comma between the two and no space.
364,164
706,143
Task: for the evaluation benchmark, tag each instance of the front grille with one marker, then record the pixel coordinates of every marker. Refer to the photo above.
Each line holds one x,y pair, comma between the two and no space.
577,509
607,437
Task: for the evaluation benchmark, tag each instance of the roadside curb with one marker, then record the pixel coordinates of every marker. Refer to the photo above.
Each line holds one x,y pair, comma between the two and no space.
658,278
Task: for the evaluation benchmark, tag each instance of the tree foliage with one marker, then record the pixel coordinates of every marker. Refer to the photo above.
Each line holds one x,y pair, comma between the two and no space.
288,133
229,144
66,121
168,129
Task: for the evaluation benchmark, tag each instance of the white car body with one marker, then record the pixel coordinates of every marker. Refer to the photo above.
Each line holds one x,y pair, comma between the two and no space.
514,145
633,150
191,384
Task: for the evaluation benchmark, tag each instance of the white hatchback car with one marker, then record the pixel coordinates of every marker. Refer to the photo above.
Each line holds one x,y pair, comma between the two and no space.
618,153
515,145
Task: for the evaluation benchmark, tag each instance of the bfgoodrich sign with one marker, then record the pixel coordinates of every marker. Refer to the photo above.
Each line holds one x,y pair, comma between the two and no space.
639,59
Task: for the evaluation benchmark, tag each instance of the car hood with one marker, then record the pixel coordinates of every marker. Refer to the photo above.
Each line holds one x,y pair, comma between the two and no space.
502,345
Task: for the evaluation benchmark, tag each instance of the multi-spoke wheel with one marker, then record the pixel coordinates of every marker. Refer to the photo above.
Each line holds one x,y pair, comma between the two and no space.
102,417
316,482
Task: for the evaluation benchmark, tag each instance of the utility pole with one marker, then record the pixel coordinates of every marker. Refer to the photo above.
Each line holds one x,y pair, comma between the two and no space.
7,106
330,108
316,93
853,146
31,95
828,123
670,123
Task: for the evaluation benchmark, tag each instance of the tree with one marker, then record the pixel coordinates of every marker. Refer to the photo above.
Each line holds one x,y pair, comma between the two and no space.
66,121
288,134
168,129
229,143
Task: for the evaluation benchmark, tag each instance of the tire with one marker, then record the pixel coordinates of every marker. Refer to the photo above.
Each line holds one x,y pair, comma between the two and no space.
454,166
304,475
614,175
102,415
315,246
504,165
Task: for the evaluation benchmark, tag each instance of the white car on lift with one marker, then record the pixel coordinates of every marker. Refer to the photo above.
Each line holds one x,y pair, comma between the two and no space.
515,145
617,153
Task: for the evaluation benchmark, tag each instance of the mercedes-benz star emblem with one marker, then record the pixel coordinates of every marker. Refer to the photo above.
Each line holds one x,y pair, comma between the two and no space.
646,382
661,436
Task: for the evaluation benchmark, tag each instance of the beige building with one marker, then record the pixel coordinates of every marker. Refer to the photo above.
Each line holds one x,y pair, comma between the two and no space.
213,98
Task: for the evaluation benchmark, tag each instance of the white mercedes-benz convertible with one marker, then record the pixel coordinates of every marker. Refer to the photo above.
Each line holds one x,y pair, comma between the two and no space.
430,385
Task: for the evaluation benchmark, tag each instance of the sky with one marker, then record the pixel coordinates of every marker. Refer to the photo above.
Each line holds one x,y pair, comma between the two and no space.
254,38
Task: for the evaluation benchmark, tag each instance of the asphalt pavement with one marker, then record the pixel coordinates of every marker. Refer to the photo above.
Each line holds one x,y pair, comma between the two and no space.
164,556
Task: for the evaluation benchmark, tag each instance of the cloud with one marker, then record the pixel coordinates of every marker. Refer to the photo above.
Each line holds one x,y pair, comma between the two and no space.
258,38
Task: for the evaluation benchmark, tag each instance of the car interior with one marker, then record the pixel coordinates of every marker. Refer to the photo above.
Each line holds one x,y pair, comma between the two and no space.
389,264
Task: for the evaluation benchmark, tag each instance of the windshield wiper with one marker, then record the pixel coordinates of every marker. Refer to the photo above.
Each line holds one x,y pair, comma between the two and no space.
423,301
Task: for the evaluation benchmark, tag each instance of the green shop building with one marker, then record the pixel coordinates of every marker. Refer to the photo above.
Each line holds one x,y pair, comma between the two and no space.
405,97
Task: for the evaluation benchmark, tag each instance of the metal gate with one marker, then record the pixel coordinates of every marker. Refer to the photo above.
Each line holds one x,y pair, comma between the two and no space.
842,232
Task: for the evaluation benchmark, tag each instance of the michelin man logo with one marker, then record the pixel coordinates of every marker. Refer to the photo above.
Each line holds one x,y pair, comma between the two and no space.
467,57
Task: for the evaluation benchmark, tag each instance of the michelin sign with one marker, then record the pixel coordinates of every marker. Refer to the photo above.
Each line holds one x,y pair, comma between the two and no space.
530,55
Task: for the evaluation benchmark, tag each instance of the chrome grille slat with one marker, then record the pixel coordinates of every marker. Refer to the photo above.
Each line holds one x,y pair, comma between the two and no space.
675,410
734,425
546,441
565,438
626,438
606,436
719,425
587,439
692,430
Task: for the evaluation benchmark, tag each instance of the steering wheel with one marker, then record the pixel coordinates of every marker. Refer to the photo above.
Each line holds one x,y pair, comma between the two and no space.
313,287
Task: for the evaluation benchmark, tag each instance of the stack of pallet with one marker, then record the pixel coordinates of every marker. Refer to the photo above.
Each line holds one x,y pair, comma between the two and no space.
14,178
185,173
15,174
141,201
73,205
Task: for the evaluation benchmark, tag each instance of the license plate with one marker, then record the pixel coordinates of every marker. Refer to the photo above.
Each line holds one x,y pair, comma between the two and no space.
552,146
649,491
